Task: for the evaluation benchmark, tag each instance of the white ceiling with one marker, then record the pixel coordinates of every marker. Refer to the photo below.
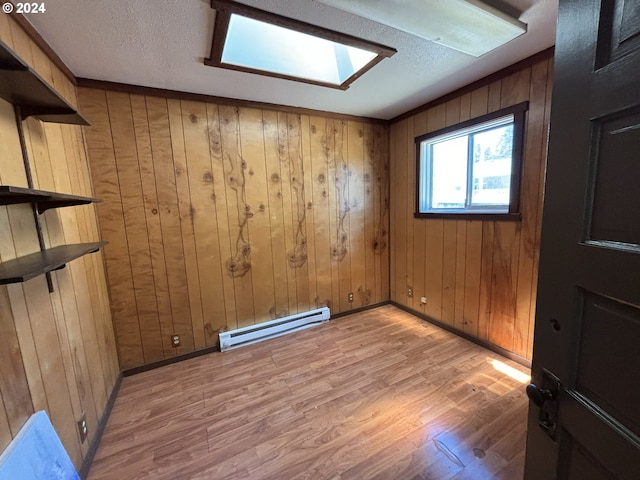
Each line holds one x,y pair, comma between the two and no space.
162,44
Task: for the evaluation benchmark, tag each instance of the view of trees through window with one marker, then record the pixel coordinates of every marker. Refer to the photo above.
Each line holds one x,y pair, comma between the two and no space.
471,167
489,174
492,152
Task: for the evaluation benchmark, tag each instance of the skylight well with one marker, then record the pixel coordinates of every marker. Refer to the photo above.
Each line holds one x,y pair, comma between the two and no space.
256,41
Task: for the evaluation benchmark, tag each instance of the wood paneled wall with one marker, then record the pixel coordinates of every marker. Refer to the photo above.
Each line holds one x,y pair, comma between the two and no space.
221,216
57,351
479,277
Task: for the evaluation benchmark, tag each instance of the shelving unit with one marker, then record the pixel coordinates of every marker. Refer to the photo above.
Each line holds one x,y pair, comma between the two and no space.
25,268
21,86
10,195
32,96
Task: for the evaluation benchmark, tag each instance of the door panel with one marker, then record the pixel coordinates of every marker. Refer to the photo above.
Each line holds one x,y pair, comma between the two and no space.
609,450
619,30
587,332
614,179
582,466
610,336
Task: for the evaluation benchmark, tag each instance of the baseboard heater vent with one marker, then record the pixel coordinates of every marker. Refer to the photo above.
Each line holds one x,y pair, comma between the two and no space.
273,328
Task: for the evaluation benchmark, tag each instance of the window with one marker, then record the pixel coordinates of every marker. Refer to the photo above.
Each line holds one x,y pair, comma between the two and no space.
472,168
255,41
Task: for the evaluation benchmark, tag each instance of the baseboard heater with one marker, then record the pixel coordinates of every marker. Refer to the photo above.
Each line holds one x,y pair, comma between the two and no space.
273,328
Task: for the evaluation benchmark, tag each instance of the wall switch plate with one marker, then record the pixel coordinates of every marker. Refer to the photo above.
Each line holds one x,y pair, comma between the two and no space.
423,300
82,428
175,340
410,292
350,296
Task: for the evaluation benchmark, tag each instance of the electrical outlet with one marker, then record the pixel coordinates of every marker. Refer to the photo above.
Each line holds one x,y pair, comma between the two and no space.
423,300
350,296
82,428
175,340
410,292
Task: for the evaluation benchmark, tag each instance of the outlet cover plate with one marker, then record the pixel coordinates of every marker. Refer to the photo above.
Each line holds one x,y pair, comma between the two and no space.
82,428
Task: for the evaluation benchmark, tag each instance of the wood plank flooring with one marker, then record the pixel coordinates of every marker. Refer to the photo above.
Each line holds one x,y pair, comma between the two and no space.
375,395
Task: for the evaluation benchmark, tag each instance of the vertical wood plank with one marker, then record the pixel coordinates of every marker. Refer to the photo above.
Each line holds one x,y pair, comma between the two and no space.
486,279
449,251
298,255
545,138
41,64
21,43
394,294
160,329
49,353
356,155
371,281
253,151
410,192
178,150
102,326
128,171
165,178
287,208
280,307
400,211
460,274
312,291
17,404
529,205
11,167
495,96
28,348
342,249
220,199
5,433
382,212
420,225
200,139
5,31
102,157
473,266
238,266
94,330
320,191
506,248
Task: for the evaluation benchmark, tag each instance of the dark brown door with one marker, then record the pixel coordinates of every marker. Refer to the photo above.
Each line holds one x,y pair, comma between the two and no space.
584,417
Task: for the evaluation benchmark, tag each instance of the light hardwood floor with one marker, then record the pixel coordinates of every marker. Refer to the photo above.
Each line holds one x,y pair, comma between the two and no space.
379,394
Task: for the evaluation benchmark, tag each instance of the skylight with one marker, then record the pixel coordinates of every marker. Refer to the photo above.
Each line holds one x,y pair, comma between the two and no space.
256,41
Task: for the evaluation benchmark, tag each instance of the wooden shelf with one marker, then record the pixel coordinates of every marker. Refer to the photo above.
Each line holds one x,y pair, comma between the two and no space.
10,195
25,268
22,86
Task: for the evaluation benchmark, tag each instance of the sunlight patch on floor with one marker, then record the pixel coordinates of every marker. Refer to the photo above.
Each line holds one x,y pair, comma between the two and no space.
510,371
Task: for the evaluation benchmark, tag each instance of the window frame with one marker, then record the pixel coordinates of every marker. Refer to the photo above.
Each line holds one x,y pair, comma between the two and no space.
225,8
517,156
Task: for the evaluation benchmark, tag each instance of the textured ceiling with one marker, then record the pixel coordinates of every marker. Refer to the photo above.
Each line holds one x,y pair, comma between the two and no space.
162,44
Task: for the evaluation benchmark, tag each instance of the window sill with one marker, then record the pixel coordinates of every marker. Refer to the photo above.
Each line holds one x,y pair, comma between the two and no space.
507,217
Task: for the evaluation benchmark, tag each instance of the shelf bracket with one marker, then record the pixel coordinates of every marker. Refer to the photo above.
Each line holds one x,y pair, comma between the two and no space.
27,169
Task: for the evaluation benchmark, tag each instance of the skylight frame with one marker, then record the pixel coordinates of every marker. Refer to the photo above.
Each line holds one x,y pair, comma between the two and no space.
224,10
